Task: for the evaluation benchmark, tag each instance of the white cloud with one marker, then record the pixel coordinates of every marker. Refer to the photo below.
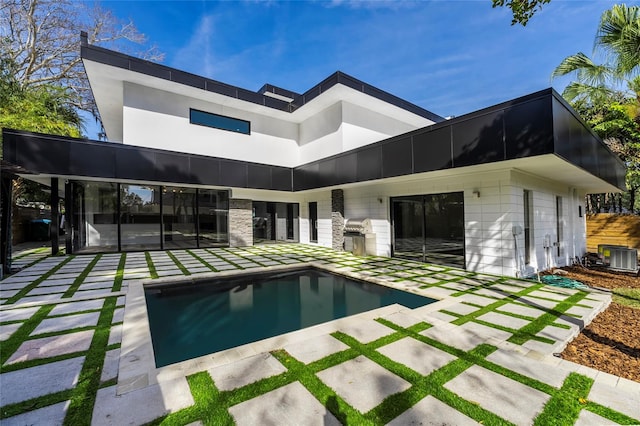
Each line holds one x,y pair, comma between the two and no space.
197,55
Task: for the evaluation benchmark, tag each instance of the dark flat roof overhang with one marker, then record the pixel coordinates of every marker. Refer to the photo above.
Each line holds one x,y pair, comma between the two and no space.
533,126
120,60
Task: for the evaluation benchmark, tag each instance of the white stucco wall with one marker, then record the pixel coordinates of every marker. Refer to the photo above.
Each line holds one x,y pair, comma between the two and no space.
157,119
490,246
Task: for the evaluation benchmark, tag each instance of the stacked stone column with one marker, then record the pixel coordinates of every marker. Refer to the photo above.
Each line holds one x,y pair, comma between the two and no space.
240,222
337,219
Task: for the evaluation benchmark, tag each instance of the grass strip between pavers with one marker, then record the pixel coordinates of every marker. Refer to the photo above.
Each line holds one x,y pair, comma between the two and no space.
35,403
179,264
565,405
80,278
534,327
30,252
12,344
611,414
19,295
201,260
151,266
213,253
84,394
212,405
117,282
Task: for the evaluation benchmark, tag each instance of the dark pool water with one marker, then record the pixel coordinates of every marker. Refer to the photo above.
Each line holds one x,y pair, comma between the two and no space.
191,321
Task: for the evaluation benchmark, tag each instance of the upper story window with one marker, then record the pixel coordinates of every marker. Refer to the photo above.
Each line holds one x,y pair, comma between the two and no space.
219,121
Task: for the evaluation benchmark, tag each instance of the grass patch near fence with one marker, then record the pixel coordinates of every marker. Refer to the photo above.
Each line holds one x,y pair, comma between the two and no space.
627,296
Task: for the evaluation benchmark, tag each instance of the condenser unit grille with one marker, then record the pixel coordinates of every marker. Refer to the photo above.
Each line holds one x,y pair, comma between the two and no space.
624,259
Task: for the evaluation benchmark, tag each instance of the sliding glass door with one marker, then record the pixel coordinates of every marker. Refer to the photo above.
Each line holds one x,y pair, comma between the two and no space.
429,228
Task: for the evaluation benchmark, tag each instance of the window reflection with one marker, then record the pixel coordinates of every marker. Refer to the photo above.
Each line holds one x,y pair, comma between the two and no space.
179,217
430,228
213,212
139,217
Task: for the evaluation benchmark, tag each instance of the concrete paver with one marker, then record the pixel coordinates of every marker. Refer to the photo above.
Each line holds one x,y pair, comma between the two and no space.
587,418
543,372
440,282
416,355
19,314
47,347
503,320
431,412
476,300
362,383
366,331
40,380
461,309
54,415
288,405
526,311
625,402
8,329
507,398
316,348
248,370
51,325
126,409
454,336
69,308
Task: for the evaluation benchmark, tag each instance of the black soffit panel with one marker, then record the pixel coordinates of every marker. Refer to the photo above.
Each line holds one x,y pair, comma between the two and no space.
537,124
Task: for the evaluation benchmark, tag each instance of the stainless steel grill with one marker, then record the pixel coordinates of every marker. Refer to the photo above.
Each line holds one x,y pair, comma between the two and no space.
358,227
359,237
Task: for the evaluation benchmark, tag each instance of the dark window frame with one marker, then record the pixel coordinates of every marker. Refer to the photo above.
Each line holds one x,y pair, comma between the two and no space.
224,118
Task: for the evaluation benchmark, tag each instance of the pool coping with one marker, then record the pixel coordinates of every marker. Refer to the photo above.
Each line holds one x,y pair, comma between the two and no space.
137,369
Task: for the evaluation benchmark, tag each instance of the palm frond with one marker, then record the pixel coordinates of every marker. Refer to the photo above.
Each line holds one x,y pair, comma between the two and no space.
587,71
619,36
590,94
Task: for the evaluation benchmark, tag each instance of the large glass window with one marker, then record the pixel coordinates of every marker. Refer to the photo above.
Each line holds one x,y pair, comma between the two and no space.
179,217
112,217
219,121
429,228
213,212
139,217
275,222
95,221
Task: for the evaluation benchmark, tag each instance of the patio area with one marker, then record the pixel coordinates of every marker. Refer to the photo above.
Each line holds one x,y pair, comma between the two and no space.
482,354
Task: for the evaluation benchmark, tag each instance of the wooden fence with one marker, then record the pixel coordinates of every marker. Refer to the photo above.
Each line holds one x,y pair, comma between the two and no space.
614,229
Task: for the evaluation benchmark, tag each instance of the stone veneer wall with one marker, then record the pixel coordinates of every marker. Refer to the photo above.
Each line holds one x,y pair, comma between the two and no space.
337,219
240,222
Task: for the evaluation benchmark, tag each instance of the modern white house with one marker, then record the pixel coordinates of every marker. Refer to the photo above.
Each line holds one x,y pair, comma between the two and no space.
193,162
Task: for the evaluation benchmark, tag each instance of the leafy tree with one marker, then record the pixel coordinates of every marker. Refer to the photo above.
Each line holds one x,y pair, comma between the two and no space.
40,40
607,95
522,10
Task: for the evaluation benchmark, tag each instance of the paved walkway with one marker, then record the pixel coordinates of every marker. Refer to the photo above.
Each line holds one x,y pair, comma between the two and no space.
483,354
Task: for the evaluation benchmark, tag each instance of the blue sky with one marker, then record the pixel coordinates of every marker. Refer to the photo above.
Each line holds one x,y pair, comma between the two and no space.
450,57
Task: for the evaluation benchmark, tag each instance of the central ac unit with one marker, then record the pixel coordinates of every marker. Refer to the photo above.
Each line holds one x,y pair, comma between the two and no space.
624,259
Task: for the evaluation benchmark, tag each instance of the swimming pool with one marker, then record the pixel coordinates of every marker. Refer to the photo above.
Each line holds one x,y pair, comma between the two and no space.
189,321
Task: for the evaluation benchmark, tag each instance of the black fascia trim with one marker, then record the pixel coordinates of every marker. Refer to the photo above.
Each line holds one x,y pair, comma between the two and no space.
142,66
171,162
308,170
577,116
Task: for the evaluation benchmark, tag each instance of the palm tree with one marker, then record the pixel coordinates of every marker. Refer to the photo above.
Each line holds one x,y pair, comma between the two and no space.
607,94
618,41
619,36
